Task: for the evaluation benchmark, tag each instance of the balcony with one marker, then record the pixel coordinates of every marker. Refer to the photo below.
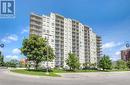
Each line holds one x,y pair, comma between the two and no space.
59,17
36,18
36,24
36,30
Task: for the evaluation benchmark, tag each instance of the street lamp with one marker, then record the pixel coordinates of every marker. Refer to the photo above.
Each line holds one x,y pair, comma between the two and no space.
47,72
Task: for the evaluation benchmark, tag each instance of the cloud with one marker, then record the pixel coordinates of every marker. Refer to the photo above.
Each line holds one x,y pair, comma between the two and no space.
111,45
10,38
123,48
116,56
10,57
1,49
118,53
5,40
16,51
25,30
13,37
113,49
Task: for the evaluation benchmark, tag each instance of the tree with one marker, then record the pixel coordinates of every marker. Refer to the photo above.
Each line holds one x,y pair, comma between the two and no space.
35,49
105,63
89,65
1,59
12,63
73,62
128,64
120,64
49,54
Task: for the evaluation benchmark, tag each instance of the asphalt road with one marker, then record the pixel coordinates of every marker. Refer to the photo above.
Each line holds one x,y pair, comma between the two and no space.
98,78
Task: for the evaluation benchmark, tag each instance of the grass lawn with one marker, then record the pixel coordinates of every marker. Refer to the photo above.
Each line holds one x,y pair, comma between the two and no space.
53,74
116,70
34,72
63,71
87,70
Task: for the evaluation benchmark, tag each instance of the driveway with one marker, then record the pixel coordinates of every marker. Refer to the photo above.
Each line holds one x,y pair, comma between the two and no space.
95,78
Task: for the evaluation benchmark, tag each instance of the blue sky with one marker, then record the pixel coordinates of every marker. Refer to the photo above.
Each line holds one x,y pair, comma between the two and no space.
108,18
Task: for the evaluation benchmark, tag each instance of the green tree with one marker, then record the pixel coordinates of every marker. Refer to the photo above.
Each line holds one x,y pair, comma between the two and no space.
12,63
128,64
35,48
48,54
1,59
120,64
87,65
73,62
105,63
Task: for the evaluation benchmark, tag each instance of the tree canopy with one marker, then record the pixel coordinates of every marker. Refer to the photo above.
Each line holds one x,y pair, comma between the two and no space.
73,61
1,59
120,64
128,64
35,48
105,63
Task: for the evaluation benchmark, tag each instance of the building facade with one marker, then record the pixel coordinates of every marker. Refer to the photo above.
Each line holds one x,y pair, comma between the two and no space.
125,55
66,35
99,49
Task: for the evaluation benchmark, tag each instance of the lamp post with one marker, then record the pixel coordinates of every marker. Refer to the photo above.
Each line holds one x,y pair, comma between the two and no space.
47,70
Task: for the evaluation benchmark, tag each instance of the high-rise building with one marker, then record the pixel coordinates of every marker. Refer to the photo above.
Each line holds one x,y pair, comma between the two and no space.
125,55
66,35
99,49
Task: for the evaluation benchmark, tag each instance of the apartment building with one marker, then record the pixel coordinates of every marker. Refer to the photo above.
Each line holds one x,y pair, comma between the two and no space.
125,54
66,35
99,49
93,47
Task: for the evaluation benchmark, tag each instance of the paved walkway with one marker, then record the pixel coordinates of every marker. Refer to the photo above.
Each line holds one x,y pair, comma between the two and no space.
95,78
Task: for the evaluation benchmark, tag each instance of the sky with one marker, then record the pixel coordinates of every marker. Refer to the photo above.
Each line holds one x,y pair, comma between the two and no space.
108,18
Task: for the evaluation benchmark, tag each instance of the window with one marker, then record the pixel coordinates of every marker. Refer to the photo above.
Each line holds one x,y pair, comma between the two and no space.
52,40
44,30
47,31
52,24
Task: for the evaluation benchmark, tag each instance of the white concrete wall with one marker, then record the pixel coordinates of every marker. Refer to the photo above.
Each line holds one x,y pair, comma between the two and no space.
67,38
48,31
81,44
93,49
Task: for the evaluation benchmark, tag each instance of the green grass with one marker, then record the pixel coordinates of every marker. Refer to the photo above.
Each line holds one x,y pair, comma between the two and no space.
116,70
68,71
35,72
87,70
53,73
43,73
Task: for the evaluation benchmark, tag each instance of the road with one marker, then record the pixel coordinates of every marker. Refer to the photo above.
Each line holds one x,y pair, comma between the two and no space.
97,78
